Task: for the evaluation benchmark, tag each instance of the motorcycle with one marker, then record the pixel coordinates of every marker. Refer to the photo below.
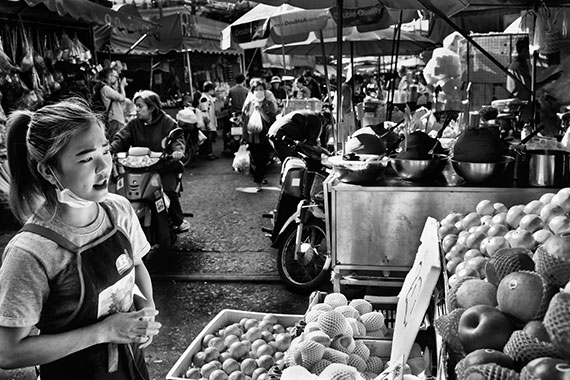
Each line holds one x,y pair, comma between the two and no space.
137,178
298,222
191,142
233,136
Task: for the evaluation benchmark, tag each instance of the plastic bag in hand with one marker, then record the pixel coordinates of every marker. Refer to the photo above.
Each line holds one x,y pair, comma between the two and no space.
241,160
255,122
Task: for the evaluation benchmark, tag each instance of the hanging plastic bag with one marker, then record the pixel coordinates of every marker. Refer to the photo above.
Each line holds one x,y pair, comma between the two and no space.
255,122
241,160
201,137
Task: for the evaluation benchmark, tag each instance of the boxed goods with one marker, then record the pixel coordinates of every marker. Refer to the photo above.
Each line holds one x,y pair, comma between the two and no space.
507,306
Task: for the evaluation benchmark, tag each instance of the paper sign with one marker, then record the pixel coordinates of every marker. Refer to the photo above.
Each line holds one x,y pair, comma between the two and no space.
415,296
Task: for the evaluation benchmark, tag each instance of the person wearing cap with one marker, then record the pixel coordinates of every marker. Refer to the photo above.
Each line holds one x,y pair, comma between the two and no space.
277,90
148,130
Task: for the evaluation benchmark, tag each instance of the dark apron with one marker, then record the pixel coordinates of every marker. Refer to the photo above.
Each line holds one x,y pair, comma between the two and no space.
100,264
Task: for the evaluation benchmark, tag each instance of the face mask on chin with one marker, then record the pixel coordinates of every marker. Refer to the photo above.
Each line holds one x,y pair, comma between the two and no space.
68,197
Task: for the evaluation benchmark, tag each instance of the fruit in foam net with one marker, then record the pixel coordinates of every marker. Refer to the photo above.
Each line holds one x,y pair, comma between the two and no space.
546,369
484,326
557,323
523,295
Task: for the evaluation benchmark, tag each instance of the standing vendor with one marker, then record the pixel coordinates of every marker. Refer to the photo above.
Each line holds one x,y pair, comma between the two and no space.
520,68
75,269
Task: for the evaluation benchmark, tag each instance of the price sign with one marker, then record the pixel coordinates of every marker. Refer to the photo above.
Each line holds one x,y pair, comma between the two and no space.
415,296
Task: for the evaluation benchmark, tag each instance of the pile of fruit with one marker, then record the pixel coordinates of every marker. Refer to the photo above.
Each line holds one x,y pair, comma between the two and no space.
509,302
240,351
332,336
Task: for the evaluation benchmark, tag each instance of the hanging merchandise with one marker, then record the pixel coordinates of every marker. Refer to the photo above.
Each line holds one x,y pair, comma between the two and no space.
6,65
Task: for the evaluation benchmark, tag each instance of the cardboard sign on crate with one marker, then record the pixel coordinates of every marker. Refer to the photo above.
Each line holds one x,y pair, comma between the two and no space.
415,296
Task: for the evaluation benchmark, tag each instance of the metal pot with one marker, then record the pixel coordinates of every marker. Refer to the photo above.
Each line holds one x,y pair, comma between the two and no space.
548,168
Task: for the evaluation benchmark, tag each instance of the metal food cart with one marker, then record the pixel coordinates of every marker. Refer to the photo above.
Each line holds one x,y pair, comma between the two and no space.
373,231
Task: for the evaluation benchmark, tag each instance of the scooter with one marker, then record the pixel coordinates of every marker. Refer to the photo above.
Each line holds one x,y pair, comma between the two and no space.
298,222
233,136
138,180
191,142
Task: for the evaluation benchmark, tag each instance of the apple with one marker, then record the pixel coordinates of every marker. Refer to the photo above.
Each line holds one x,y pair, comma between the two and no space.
471,254
562,198
497,230
496,243
485,207
522,239
559,224
474,240
546,198
533,207
448,242
546,369
483,228
558,245
445,230
536,329
487,355
509,234
471,220
541,236
207,369
484,326
531,223
462,237
522,296
474,292
549,211
452,218
500,207
484,244
466,272
476,264
452,280
514,215
500,218
192,373
458,250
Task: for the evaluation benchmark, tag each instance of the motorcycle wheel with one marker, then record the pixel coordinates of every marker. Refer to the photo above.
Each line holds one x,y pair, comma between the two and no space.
161,240
188,156
313,268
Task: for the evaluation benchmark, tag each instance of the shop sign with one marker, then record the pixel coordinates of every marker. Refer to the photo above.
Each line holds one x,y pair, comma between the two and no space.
298,23
252,31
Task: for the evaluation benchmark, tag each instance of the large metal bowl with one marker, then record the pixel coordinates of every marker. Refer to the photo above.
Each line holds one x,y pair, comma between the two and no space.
481,172
418,170
369,169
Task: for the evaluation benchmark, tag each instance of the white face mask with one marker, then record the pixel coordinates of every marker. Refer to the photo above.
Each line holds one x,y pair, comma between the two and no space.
259,94
68,197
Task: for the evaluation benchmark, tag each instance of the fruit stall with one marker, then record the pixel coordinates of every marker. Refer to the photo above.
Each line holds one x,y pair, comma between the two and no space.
338,337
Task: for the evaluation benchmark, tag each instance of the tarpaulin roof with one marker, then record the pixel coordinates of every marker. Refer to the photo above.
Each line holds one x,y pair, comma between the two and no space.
178,32
92,13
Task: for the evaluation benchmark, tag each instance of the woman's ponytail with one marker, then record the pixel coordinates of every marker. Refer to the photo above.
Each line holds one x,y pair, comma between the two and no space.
22,187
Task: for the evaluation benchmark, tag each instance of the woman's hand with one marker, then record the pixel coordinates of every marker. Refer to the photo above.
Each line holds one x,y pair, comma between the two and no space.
177,155
134,327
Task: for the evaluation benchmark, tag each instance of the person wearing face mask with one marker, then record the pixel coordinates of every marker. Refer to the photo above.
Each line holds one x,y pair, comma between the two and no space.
258,114
207,106
75,270
148,130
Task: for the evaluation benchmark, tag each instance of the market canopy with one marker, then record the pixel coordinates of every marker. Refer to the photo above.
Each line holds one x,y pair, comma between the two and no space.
91,13
178,32
380,42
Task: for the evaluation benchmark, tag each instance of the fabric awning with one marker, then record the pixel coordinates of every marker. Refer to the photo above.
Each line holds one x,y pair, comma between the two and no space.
92,13
180,32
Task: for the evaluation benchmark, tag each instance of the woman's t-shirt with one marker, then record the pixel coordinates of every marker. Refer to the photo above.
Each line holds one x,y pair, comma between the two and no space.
39,279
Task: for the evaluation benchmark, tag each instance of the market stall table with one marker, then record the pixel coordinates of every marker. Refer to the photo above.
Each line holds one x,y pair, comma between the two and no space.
373,231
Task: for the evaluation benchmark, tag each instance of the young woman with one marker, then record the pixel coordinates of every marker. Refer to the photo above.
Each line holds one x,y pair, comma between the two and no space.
75,270
256,136
148,130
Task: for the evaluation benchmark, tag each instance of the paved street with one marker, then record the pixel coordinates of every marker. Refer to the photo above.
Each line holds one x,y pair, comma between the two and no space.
223,262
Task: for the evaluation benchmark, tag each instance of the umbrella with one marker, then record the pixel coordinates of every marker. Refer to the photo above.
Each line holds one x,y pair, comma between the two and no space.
378,42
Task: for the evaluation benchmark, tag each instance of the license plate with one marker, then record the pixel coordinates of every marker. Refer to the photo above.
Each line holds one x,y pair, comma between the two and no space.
236,131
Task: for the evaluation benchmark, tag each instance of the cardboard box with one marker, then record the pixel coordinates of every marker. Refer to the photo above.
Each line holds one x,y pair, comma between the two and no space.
224,318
